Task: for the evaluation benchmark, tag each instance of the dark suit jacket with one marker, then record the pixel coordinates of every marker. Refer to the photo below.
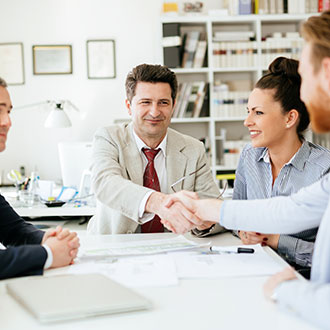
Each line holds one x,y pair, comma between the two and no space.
24,254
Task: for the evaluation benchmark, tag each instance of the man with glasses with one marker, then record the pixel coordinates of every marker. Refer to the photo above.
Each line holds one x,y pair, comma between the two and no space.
136,165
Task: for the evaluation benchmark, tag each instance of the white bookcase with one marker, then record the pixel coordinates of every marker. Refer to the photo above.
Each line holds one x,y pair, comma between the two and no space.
240,78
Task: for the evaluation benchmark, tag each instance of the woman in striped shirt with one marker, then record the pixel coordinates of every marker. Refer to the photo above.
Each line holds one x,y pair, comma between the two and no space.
279,161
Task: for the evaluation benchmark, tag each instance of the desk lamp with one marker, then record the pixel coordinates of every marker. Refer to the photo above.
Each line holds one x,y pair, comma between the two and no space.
57,117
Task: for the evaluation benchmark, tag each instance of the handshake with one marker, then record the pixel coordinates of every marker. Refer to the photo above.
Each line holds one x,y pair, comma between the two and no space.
63,244
184,211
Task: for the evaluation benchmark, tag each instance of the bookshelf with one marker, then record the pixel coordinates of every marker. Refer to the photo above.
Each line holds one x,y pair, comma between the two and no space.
230,67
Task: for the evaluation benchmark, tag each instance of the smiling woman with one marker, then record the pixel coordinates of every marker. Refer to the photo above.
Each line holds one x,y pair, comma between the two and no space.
279,161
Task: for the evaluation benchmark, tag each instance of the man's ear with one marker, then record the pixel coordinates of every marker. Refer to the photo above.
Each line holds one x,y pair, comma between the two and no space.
326,73
292,118
174,103
128,107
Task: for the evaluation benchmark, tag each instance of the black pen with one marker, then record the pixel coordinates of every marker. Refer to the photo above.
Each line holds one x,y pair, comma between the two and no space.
219,250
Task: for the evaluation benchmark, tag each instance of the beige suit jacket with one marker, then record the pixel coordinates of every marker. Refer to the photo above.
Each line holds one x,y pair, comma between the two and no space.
117,176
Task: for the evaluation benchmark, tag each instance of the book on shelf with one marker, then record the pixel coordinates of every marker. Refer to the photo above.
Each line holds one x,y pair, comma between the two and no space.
197,88
199,58
263,7
234,36
190,49
245,7
178,100
185,100
205,111
172,45
199,99
190,99
313,7
326,4
272,7
279,7
234,54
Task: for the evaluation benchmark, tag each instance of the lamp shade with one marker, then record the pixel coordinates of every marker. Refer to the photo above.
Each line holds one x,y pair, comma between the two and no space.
57,118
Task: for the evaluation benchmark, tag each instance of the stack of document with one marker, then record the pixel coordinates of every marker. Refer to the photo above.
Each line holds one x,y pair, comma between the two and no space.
162,262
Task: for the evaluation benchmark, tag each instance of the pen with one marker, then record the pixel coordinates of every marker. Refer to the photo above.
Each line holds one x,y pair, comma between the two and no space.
239,250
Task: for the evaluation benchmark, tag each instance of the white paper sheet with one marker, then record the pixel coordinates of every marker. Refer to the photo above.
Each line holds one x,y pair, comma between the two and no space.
145,247
139,271
196,265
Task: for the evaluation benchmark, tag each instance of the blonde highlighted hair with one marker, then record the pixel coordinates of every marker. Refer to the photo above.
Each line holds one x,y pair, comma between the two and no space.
316,31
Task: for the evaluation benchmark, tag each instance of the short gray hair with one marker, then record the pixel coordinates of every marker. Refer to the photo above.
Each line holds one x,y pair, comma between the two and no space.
3,83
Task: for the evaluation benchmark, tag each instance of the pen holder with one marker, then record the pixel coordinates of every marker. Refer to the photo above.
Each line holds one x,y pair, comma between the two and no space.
26,197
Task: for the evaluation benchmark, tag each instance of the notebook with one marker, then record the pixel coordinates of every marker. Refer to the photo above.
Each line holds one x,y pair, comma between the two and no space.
65,297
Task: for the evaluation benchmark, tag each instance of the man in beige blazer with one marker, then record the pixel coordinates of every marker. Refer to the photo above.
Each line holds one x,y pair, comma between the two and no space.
123,203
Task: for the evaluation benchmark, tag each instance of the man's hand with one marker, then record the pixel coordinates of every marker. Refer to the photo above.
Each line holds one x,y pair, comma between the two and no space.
207,210
249,237
59,232
286,275
64,247
177,217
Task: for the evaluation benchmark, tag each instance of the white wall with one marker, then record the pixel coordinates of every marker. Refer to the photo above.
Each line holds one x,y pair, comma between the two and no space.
135,26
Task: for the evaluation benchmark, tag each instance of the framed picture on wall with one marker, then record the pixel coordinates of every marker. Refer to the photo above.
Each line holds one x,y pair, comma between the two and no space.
52,59
12,63
101,59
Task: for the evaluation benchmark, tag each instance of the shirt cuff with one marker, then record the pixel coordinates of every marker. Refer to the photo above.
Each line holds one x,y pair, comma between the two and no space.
222,211
144,216
49,260
287,247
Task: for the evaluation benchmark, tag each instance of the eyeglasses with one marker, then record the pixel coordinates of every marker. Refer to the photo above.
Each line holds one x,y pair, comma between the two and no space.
192,173
185,177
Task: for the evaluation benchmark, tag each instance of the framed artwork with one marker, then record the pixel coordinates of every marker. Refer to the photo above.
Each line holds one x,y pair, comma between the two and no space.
12,63
101,59
52,59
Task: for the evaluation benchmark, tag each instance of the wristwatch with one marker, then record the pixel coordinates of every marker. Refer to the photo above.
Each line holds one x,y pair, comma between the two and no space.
204,232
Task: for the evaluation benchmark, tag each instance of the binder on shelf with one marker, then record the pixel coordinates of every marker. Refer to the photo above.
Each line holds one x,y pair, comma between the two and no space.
172,45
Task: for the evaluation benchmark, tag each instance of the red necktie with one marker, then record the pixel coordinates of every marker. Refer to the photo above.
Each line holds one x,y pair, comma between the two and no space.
150,180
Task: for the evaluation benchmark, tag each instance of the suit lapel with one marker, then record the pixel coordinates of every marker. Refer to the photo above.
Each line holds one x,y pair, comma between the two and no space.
176,161
132,157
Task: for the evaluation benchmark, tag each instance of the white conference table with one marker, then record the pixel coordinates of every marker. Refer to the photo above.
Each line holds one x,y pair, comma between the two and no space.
222,303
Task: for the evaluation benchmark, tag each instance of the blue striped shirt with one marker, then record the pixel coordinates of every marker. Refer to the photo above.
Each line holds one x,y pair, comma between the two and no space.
254,181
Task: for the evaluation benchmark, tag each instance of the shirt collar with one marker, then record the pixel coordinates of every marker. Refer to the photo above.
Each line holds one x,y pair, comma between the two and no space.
298,160
140,144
